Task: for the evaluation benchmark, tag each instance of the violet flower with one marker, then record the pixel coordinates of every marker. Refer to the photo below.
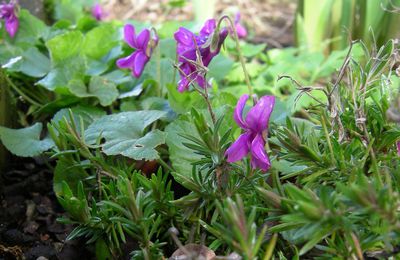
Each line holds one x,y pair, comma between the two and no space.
187,45
8,14
240,29
98,12
398,147
255,126
143,44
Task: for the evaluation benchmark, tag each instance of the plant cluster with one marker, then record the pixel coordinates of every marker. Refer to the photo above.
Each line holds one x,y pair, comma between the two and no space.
223,163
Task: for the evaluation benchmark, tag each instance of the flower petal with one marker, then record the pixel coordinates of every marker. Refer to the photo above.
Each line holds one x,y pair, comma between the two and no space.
185,72
208,28
258,116
239,149
97,12
130,35
127,62
238,113
259,157
184,37
183,85
241,31
7,10
142,39
140,61
12,26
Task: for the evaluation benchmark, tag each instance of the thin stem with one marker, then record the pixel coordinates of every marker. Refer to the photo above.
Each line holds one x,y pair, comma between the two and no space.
241,58
13,86
206,98
165,165
327,137
158,72
205,94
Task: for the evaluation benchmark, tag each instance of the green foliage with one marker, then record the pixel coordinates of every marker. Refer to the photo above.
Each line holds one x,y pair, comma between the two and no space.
331,25
25,142
135,159
99,87
238,231
123,134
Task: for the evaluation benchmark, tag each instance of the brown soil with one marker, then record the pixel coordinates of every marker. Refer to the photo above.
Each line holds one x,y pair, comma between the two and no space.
28,213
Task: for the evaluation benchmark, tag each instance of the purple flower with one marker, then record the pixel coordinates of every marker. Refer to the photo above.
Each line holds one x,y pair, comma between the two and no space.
8,13
187,44
255,127
398,147
240,29
98,12
143,45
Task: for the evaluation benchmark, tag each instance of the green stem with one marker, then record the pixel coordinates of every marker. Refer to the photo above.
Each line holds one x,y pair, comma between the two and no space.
165,165
207,99
158,72
323,122
241,58
27,98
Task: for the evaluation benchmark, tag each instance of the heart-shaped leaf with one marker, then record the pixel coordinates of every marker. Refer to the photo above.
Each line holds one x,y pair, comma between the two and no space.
123,134
25,142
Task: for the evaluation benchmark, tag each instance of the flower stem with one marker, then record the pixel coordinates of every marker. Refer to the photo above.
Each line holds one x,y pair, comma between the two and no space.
20,92
241,58
159,90
207,99
328,140
165,165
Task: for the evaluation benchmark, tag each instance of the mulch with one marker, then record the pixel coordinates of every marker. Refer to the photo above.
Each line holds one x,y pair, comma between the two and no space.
28,216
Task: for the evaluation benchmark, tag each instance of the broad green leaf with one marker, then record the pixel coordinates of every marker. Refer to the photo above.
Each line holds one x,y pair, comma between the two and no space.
251,50
181,156
87,113
99,87
167,48
99,41
86,23
123,134
162,71
65,46
183,102
51,108
118,77
236,74
32,63
157,103
25,142
9,52
220,67
58,78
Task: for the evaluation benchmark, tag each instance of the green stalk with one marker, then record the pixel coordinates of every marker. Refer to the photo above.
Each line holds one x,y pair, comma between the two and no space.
241,58
313,23
20,92
328,139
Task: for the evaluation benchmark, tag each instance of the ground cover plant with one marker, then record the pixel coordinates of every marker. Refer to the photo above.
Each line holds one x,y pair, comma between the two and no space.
186,142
